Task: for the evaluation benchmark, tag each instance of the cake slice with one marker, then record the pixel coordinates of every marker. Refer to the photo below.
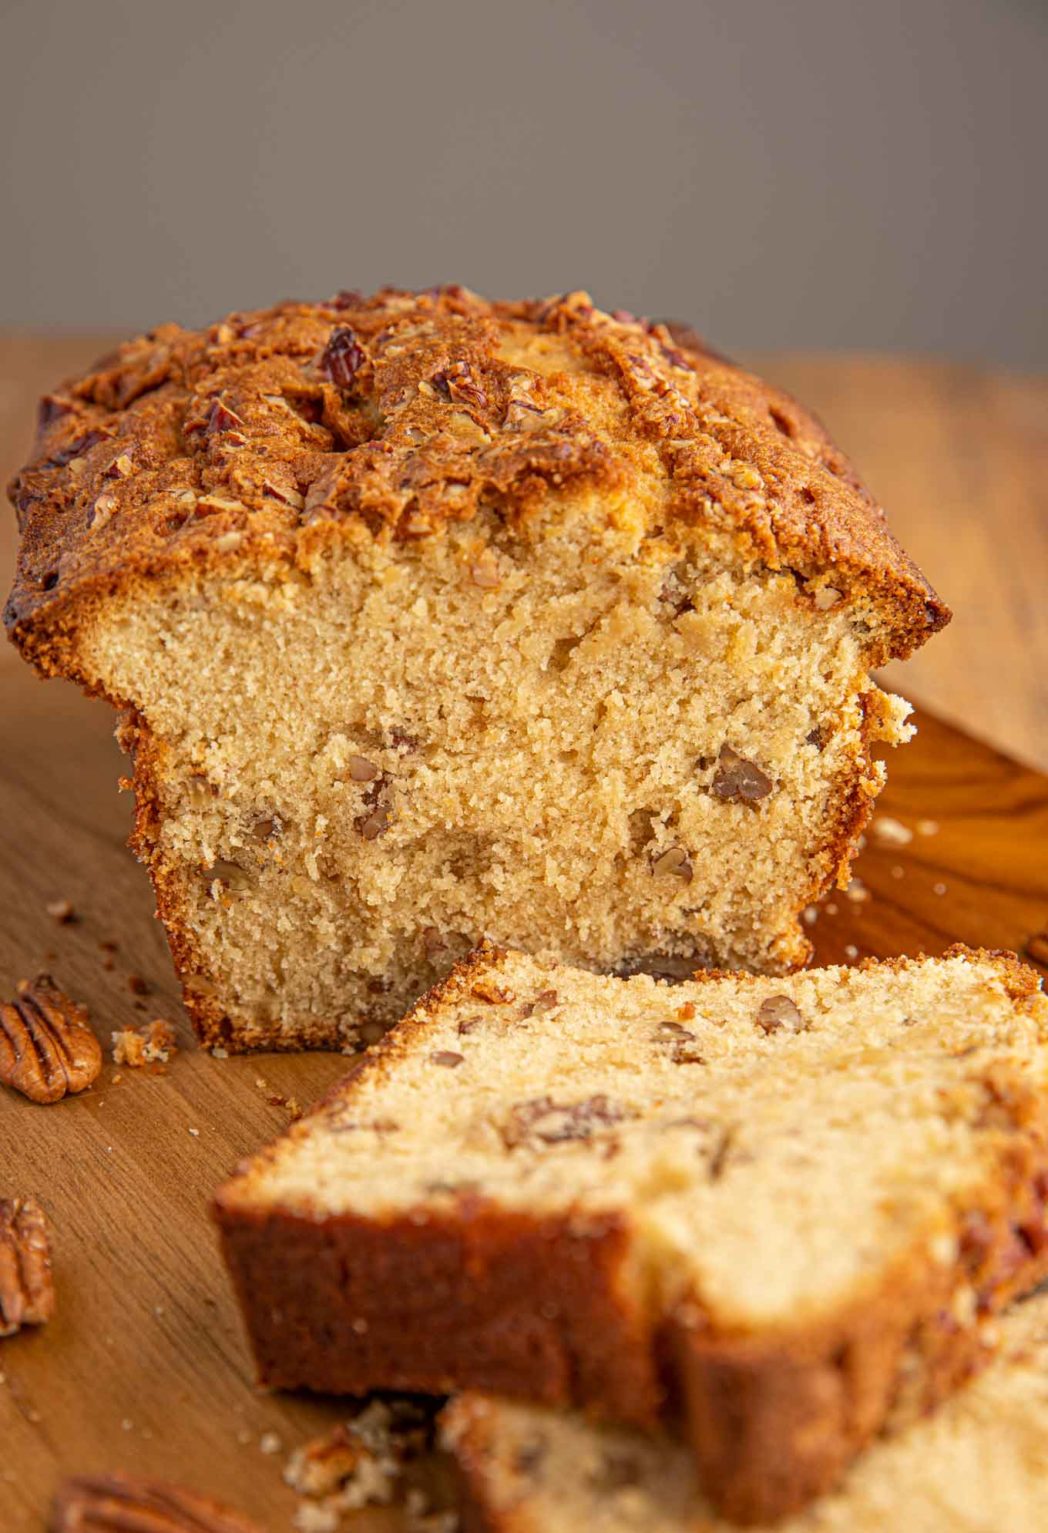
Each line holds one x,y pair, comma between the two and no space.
980,1465
766,1207
432,618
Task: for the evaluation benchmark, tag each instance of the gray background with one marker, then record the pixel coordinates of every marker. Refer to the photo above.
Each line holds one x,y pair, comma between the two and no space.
866,173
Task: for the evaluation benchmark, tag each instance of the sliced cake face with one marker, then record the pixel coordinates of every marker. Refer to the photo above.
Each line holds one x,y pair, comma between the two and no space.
608,753
980,1463
775,1147
435,619
780,1208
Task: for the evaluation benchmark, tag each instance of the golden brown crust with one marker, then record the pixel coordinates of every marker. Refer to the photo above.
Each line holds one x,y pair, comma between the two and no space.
399,413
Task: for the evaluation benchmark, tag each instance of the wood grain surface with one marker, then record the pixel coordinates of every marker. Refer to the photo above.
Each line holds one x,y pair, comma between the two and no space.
144,1367
958,455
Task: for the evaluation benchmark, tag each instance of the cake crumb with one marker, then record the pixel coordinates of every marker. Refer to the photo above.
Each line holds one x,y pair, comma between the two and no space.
315,1517
891,831
928,827
810,915
898,871
851,952
270,1442
939,888
153,1043
857,891
61,911
195,1132
137,985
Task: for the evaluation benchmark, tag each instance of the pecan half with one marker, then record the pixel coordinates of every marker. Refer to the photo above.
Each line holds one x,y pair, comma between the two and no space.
27,1291
118,1503
47,1048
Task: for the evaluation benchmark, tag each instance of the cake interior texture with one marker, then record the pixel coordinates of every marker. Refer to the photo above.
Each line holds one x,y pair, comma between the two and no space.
775,1144
606,751
780,1211
978,1465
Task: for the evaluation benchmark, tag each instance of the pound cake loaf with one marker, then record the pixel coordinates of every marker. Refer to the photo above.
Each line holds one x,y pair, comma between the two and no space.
432,618
980,1465
771,1209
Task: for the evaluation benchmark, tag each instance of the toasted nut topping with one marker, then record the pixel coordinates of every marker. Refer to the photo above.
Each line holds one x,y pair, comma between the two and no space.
27,1293
222,418
47,1048
361,769
673,863
343,358
737,780
448,1058
779,1011
118,1503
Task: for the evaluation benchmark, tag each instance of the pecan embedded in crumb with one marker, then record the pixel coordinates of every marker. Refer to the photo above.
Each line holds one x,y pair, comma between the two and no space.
673,863
120,1503
47,1048
779,1011
738,780
485,989
448,1058
553,1122
27,1293
361,769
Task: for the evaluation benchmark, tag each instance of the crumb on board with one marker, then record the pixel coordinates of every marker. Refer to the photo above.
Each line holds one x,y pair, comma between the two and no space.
61,911
891,831
152,1043
365,1462
928,827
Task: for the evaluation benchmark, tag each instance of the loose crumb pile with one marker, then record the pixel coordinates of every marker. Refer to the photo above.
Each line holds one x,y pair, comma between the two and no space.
153,1043
377,1458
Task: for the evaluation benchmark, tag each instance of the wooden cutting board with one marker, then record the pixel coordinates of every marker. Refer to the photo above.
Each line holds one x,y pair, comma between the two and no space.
144,1366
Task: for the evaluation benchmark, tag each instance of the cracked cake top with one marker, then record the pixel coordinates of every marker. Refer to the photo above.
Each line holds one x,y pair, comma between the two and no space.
393,415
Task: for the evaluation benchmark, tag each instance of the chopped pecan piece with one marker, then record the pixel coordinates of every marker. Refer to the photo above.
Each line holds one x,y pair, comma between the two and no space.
674,862
779,1011
47,1048
552,1122
27,1293
738,780
119,1503
486,989
342,358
